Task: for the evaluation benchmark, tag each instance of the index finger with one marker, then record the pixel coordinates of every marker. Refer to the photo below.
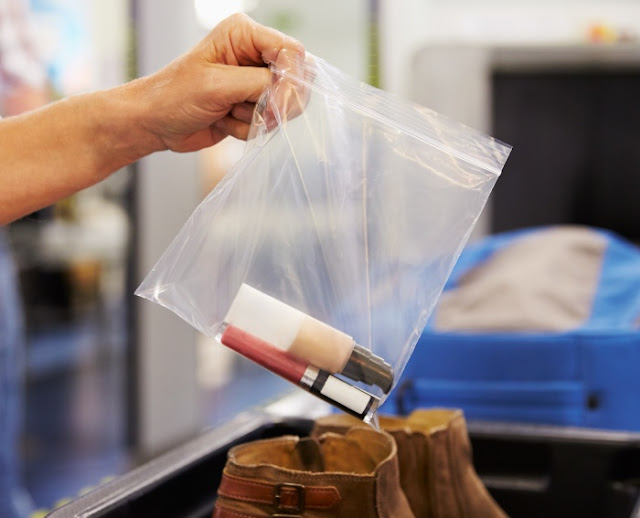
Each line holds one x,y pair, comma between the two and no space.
246,42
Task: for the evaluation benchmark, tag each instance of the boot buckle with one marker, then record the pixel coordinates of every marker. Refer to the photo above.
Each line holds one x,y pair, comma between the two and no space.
289,499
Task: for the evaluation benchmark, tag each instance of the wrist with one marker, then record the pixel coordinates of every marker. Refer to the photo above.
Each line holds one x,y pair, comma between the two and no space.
128,114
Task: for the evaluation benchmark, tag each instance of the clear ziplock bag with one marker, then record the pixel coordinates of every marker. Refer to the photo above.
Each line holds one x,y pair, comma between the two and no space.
323,252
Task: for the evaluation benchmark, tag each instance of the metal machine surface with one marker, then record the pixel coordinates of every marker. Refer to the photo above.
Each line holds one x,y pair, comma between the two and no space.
531,470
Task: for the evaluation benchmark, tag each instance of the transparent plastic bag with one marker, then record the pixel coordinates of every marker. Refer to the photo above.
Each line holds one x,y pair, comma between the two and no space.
323,252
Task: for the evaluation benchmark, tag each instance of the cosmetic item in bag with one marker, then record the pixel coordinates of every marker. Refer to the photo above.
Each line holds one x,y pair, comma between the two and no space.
306,338
331,239
318,382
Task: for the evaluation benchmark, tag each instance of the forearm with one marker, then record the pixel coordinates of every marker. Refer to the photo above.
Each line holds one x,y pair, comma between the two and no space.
50,153
194,102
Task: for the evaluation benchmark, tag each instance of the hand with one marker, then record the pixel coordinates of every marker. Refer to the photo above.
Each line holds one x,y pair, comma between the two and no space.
194,102
210,92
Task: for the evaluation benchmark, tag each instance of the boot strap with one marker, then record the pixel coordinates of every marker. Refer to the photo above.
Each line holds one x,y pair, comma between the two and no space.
220,512
285,497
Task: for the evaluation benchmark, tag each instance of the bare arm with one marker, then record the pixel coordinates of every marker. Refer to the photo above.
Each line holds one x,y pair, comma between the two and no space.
50,153
193,103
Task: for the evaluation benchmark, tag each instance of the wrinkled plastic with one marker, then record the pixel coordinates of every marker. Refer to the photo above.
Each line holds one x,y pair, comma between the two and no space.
349,205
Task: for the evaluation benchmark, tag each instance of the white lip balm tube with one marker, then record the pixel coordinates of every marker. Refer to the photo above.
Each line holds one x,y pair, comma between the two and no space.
306,338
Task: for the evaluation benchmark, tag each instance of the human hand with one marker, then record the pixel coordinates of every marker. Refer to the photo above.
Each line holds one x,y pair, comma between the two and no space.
210,92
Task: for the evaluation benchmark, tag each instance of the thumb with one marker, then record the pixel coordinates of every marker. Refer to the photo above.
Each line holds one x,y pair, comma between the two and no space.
238,84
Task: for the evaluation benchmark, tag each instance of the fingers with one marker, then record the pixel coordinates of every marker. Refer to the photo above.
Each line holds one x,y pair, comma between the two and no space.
215,86
232,126
241,87
249,43
236,85
242,47
243,111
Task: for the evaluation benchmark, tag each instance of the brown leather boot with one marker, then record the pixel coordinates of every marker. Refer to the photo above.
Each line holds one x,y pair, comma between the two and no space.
354,474
436,466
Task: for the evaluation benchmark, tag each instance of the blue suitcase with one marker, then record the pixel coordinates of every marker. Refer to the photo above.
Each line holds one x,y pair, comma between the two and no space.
587,376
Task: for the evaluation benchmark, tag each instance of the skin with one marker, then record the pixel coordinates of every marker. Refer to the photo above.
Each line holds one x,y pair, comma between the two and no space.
194,102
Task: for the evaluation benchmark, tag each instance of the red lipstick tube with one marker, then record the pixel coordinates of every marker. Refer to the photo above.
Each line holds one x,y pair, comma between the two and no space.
322,384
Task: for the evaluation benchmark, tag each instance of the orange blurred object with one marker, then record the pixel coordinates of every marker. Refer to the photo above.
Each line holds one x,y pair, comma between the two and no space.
601,33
